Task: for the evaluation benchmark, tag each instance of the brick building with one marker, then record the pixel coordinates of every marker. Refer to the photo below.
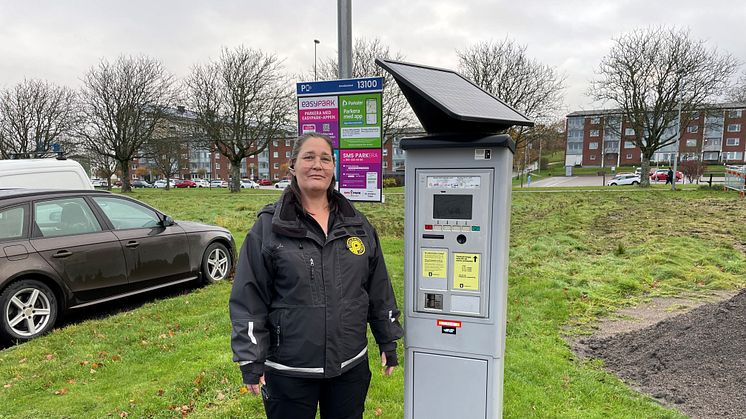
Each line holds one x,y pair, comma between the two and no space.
601,138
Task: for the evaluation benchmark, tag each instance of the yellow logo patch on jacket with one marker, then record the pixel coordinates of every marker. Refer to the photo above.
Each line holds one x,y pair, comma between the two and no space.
355,245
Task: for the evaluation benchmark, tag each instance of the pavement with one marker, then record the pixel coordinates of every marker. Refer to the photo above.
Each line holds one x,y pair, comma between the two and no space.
565,181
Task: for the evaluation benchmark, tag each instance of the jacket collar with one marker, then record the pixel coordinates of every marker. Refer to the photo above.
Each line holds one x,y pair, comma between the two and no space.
288,222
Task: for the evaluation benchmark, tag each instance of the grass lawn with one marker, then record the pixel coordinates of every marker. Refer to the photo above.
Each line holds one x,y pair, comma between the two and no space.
573,257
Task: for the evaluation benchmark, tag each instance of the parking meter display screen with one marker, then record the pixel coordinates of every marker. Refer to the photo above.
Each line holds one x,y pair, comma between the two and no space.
452,207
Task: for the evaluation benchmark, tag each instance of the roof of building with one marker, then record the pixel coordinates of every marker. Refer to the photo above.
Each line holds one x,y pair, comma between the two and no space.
602,112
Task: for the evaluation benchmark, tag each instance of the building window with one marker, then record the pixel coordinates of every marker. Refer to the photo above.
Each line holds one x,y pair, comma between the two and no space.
691,143
276,165
595,133
733,155
593,157
629,157
694,115
692,129
275,143
287,143
385,152
593,146
217,166
287,154
629,144
734,114
275,154
629,131
385,164
734,128
713,141
732,141
596,120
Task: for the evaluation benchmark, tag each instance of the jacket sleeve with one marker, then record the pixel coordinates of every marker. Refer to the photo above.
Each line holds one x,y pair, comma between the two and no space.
248,305
383,314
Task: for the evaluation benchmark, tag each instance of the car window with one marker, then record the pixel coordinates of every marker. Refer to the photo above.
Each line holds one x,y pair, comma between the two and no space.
63,217
11,223
125,214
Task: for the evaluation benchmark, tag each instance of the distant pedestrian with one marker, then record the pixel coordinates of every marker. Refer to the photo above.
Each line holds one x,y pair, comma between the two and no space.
669,177
529,180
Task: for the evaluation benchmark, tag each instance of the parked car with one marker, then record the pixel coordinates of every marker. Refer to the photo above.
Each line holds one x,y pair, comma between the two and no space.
185,183
282,184
249,184
662,175
265,182
140,184
624,179
218,184
69,249
202,183
161,183
43,173
98,183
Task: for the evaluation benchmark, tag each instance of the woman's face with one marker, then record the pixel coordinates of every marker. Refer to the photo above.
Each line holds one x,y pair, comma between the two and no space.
314,167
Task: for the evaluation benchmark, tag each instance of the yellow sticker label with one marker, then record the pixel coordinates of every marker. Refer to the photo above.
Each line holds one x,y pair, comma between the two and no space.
434,263
355,246
466,271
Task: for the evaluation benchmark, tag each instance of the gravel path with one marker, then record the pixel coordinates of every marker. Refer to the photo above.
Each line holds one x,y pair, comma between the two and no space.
694,362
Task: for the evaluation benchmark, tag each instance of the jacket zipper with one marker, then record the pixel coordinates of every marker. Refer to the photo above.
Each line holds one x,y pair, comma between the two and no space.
312,269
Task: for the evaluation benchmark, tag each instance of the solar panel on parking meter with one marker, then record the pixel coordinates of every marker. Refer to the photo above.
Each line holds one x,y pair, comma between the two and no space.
446,102
457,213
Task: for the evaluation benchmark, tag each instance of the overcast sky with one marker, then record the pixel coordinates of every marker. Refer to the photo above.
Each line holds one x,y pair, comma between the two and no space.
60,40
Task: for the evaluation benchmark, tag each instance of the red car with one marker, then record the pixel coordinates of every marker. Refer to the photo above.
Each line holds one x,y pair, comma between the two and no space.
185,183
662,175
265,182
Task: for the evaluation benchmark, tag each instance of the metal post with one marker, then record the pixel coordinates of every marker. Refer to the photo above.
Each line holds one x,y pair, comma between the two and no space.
316,42
344,38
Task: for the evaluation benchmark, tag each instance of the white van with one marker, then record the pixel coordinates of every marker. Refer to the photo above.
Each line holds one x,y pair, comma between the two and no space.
43,174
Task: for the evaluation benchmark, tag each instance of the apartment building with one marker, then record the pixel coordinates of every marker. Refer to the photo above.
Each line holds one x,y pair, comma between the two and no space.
602,138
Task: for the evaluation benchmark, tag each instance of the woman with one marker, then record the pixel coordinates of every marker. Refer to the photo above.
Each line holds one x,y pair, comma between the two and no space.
309,277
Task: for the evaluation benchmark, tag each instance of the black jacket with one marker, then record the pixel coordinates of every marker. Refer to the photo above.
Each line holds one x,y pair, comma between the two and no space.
300,302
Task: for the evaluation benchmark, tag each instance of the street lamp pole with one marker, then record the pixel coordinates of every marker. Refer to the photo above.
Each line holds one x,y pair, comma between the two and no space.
316,42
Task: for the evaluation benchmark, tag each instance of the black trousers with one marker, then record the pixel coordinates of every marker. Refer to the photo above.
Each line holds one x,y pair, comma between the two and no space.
341,397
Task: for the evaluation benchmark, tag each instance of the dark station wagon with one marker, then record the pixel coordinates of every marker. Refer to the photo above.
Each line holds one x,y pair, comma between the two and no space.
62,250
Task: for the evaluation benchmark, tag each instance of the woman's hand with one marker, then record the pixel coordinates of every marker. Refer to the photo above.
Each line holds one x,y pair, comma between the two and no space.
256,388
388,370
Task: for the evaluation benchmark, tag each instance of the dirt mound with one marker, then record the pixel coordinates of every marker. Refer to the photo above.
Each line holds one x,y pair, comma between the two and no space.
695,362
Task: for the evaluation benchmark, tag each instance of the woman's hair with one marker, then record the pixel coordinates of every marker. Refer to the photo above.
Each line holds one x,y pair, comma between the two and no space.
294,188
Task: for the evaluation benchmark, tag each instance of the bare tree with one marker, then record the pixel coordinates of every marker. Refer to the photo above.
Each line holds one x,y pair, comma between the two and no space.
397,115
505,70
103,166
242,101
122,102
654,75
34,116
167,151
738,91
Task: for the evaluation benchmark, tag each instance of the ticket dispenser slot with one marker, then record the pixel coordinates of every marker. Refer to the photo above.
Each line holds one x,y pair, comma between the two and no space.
456,205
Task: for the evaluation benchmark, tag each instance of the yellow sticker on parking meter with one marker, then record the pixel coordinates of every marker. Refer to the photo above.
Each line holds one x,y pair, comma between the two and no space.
466,271
434,263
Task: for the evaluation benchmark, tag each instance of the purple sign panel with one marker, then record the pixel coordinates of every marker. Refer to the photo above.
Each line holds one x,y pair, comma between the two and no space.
360,174
319,114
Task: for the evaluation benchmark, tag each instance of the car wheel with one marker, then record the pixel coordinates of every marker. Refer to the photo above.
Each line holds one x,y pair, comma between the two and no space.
216,263
29,309
635,183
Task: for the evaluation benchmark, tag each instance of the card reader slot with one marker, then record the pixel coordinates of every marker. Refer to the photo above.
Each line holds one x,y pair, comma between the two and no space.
433,236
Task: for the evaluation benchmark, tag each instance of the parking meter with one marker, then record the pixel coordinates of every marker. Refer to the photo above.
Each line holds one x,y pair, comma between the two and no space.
457,224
